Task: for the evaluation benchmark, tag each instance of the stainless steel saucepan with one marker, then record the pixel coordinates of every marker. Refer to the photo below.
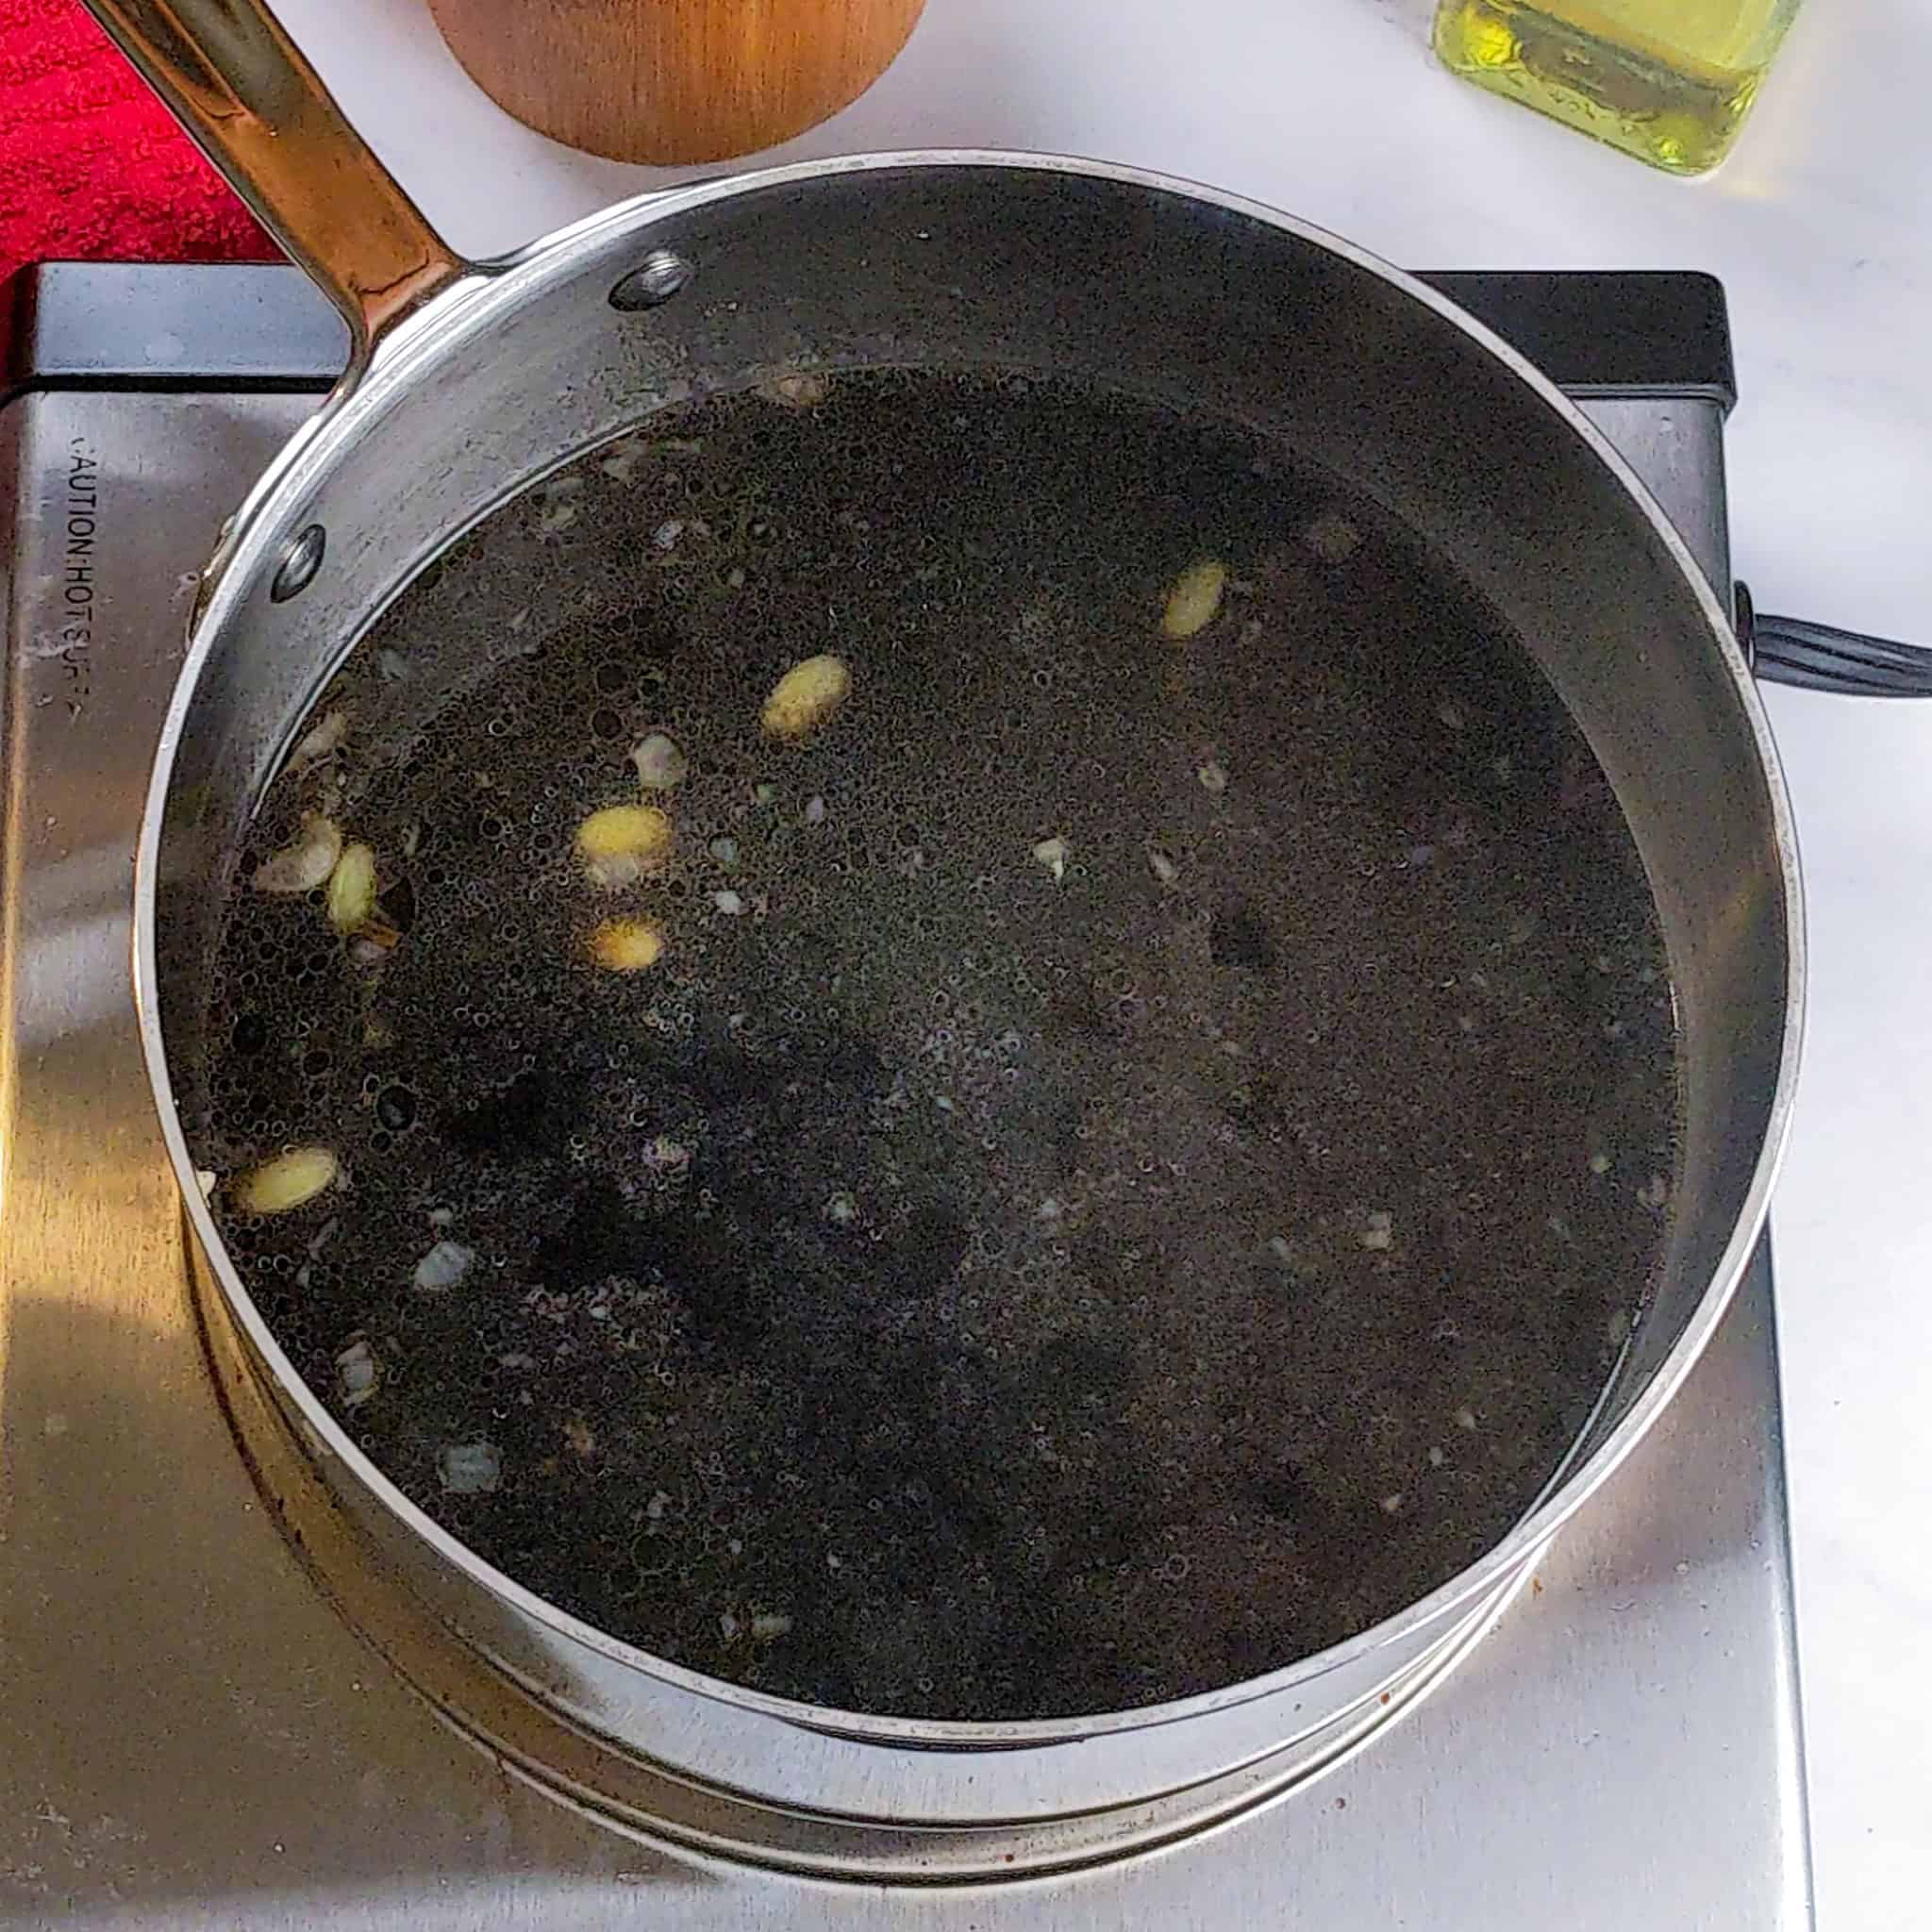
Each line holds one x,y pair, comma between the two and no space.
469,380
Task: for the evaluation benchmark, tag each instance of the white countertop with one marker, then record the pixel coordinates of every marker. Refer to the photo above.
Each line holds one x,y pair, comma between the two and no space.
1334,109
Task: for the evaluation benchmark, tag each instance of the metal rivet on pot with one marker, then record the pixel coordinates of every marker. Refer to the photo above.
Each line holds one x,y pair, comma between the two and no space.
300,562
656,280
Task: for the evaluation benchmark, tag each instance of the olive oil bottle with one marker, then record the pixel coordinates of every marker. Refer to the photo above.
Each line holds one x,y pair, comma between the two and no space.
1668,81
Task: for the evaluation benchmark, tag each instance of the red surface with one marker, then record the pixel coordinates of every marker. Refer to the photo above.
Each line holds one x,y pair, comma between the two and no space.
91,166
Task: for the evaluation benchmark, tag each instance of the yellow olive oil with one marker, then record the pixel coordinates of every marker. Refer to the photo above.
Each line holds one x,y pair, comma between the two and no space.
1668,81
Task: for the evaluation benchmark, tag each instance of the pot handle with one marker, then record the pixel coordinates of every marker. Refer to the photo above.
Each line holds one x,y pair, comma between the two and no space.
255,107
1820,656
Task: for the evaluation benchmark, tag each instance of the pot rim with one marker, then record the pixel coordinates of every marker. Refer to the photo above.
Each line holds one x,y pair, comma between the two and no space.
477,302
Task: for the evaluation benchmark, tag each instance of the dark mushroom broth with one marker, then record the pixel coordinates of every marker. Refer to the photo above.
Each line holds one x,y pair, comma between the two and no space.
1098,1137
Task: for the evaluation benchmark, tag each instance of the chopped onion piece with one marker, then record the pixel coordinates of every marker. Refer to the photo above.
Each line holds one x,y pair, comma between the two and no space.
469,1469
798,389
443,1266
306,861
660,762
330,734
358,1372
